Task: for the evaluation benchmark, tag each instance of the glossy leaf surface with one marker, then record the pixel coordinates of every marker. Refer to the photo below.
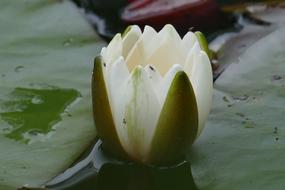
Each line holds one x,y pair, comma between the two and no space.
46,53
242,146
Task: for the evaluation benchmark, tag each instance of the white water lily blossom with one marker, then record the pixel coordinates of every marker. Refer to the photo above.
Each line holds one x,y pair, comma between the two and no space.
152,93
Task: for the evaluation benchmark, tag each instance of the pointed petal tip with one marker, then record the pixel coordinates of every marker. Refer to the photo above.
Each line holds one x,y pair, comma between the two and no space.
131,28
182,78
180,75
148,28
172,71
177,67
169,29
188,42
138,68
189,34
113,50
169,26
97,60
103,51
136,28
117,37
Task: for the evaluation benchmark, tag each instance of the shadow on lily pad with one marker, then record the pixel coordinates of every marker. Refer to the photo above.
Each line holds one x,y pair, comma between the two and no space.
126,176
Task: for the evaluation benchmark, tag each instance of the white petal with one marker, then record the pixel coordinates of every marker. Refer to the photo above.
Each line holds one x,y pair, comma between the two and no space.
118,76
167,80
103,52
155,79
168,31
137,113
202,81
113,50
130,39
137,55
165,50
188,65
188,42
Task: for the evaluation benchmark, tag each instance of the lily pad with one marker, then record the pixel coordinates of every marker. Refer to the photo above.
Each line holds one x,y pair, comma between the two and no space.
242,146
46,55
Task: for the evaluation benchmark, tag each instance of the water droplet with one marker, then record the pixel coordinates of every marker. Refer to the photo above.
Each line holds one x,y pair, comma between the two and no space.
37,100
225,99
275,130
5,128
276,77
33,132
3,75
240,98
248,124
19,68
240,114
67,42
260,92
67,113
241,45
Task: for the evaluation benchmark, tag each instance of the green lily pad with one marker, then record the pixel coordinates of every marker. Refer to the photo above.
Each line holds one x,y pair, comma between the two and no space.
46,55
242,146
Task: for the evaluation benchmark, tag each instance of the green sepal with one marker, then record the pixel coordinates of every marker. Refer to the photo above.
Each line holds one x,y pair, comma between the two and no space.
102,113
177,125
204,44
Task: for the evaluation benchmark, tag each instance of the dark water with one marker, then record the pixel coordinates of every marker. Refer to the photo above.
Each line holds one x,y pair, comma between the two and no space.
105,16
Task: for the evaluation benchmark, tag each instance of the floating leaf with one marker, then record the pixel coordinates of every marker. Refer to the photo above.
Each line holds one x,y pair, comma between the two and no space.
46,55
242,146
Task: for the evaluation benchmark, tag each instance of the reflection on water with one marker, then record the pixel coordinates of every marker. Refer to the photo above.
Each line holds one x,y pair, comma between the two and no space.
31,113
100,172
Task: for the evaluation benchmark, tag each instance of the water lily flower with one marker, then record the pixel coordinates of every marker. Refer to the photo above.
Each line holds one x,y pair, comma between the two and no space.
152,93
